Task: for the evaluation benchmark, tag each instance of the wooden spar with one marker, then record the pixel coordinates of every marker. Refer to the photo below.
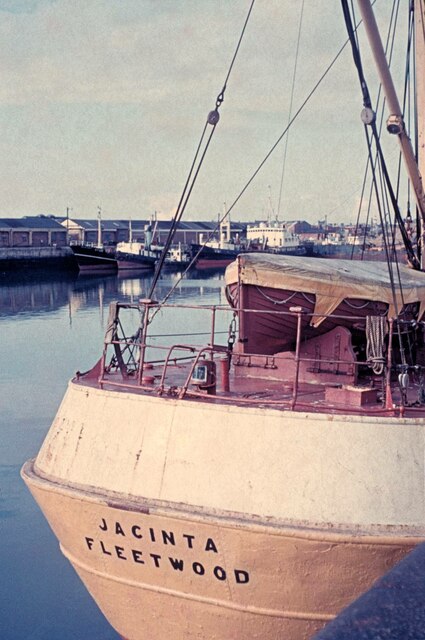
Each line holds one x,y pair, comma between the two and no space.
420,79
396,116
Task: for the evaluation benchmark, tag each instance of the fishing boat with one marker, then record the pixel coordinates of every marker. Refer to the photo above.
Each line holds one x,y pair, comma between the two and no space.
177,257
134,256
95,258
213,254
252,486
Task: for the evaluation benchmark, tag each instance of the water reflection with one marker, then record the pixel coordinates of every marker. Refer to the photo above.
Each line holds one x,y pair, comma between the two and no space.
24,297
51,328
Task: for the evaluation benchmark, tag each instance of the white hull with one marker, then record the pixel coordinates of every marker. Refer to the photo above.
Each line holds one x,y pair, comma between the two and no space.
243,497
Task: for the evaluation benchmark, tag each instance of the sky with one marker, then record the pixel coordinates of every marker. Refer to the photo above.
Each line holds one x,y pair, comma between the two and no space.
102,103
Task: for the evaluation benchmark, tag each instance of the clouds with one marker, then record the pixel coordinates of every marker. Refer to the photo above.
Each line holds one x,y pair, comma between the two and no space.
103,51
102,102
110,51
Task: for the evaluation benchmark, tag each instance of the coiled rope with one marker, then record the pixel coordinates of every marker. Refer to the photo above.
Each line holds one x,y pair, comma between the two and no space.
376,328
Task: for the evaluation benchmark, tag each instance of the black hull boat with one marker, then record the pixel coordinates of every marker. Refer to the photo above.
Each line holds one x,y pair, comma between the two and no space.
94,259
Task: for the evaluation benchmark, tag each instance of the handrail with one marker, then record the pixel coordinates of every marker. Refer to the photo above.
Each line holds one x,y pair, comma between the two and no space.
167,360
237,310
135,377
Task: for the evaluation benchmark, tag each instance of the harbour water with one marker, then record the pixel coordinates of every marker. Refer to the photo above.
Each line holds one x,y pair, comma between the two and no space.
49,330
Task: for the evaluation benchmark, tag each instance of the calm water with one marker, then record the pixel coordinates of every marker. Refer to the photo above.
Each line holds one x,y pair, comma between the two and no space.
49,330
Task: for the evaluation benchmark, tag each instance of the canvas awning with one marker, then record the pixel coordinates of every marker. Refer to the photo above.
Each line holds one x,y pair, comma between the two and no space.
331,281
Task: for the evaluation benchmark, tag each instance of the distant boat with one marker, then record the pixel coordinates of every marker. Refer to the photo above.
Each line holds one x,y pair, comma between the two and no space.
134,256
273,237
92,259
95,258
178,257
211,253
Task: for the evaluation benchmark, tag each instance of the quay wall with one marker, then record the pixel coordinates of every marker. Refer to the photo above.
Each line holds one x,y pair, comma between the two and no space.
23,258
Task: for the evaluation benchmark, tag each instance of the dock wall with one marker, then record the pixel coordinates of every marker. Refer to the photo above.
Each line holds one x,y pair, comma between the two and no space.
24,258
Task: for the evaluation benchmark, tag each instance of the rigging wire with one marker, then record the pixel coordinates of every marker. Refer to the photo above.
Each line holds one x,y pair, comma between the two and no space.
391,28
391,242
369,163
213,119
406,101
406,106
382,167
294,75
412,111
368,104
262,163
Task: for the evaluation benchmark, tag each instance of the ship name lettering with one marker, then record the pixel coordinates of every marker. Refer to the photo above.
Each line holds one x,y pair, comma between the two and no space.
137,556
159,562
135,530
161,535
108,553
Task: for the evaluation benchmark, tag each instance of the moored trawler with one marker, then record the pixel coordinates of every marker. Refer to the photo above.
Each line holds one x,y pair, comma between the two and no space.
273,237
137,256
139,260
91,259
193,497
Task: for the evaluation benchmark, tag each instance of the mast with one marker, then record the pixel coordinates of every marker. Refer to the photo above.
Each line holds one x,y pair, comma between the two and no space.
154,227
395,122
224,230
68,209
419,9
99,227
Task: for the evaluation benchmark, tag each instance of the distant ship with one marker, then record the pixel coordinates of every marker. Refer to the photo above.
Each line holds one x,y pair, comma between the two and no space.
177,258
95,259
132,256
210,253
273,237
135,255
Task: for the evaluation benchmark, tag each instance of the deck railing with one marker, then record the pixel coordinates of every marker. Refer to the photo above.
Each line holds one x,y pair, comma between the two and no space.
128,360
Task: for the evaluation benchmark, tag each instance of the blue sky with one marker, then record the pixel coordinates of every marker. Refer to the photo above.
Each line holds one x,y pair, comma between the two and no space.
102,103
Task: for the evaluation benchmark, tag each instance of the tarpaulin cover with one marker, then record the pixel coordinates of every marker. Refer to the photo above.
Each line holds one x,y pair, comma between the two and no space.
331,281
